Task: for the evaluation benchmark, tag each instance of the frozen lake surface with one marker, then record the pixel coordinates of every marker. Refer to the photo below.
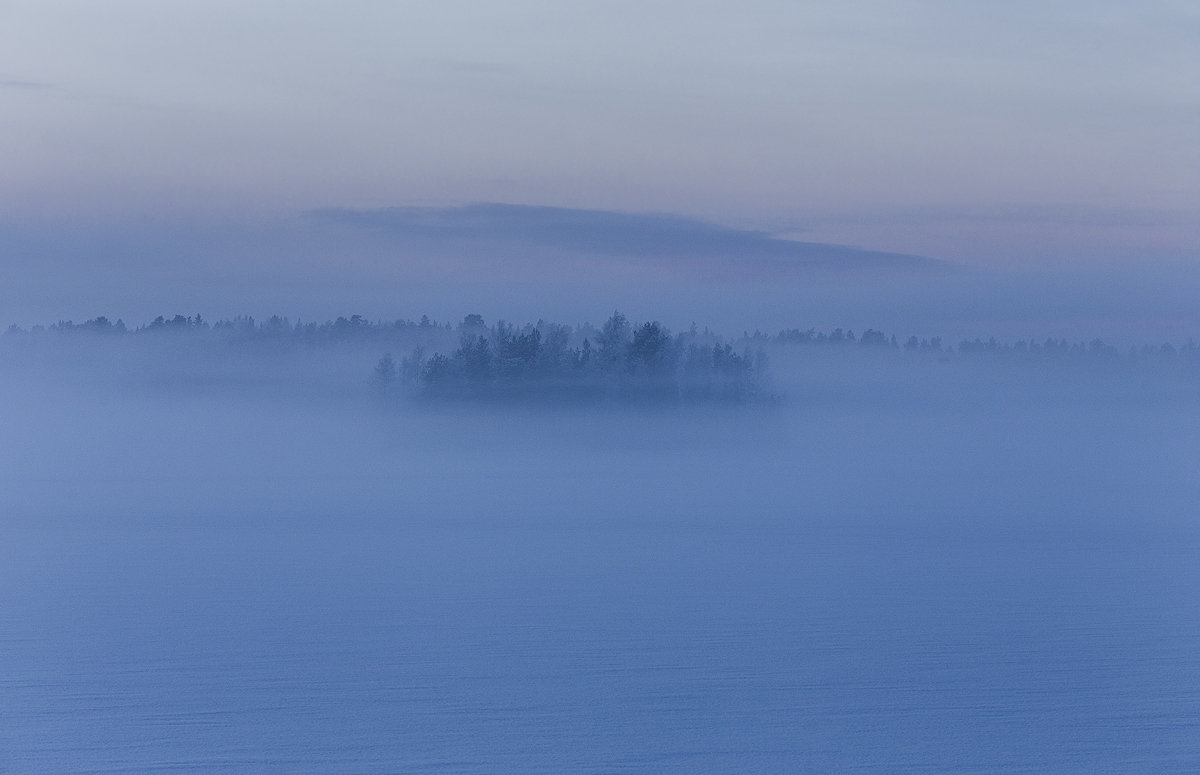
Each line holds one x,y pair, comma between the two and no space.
254,587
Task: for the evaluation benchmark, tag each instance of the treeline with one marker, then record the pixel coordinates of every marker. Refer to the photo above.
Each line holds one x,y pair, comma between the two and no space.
404,333
274,330
1048,349
550,362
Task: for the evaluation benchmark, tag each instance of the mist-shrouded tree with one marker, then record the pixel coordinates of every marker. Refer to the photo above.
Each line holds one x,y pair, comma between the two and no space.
650,361
384,375
612,343
438,374
472,325
732,372
584,360
517,353
650,350
554,353
411,365
475,355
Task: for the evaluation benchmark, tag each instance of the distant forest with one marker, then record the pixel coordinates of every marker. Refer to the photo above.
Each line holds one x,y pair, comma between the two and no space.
620,360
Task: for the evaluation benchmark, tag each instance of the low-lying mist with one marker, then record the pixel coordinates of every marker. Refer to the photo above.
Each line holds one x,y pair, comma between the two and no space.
240,545
240,409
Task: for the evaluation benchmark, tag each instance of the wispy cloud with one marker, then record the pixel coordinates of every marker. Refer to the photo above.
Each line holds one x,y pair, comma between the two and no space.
646,236
1053,214
23,85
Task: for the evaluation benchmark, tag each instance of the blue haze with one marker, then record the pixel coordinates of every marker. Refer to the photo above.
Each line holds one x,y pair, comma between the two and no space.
229,555
912,564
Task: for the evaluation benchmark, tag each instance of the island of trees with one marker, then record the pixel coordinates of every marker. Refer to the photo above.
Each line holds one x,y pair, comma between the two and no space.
547,361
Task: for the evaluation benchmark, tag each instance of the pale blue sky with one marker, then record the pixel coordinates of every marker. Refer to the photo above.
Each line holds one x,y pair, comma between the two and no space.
984,133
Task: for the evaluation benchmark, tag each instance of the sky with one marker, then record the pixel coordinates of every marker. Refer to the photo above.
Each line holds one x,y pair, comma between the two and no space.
1009,135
